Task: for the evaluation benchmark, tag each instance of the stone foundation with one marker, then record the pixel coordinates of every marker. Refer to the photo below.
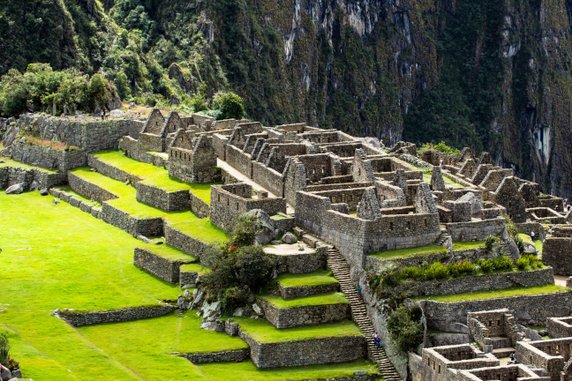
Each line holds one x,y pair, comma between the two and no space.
300,292
162,199
237,355
81,319
148,227
304,315
88,189
183,242
163,268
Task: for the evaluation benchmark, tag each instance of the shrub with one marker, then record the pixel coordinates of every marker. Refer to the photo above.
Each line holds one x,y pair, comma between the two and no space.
230,105
528,262
464,267
253,267
490,242
404,329
439,147
437,271
4,348
235,297
502,263
244,232
485,265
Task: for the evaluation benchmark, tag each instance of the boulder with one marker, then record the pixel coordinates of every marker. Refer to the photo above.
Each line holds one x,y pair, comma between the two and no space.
35,185
15,189
44,191
257,310
289,238
211,311
5,373
529,248
267,228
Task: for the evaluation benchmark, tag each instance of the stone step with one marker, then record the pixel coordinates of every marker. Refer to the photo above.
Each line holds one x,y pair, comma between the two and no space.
340,268
503,352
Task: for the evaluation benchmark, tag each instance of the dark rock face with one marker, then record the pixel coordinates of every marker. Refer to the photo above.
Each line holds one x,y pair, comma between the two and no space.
493,74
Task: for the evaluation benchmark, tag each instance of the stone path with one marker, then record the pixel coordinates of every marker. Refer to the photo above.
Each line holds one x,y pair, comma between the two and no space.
341,271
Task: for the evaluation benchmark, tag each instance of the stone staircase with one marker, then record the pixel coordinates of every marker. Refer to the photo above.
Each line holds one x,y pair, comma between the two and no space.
341,272
443,237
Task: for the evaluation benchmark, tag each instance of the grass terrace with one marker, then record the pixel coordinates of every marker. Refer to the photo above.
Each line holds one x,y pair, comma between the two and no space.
315,300
152,175
168,252
185,222
195,268
264,332
496,294
425,250
316,278
116,187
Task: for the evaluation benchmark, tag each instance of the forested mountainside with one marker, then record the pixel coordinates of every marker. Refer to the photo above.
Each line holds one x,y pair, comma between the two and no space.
492,74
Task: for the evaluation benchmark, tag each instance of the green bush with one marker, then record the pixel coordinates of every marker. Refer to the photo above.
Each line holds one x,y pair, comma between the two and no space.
404,329
439,147
231,105
464,267
4,348
244,232
502,263
235,297
253,267
437,271
528,262
490,242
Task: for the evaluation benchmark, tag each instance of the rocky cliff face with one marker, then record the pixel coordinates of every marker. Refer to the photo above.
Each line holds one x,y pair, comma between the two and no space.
492,74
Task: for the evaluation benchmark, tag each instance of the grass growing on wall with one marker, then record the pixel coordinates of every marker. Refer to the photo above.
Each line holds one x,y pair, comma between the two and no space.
314,300
482,295
425,250
316,278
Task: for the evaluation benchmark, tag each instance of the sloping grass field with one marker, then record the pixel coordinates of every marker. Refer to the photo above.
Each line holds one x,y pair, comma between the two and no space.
55,256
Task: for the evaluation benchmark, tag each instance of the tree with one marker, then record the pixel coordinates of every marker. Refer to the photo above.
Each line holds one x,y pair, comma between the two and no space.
231,105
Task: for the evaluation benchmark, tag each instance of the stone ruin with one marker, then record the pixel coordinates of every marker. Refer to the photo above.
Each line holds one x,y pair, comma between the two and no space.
362,198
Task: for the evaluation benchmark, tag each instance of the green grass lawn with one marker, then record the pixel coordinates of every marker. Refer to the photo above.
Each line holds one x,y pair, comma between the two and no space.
521,291
316,278
118,188
195,268
314,300
425,250
264,332
60,257
152,175
168,252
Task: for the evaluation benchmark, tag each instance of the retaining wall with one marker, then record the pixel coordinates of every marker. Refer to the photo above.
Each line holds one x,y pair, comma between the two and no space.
163,268
304,315
81,319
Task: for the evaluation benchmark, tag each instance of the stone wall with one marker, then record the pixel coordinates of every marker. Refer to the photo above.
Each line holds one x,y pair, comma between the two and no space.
162,199
303,291
528,309
355,237
163,268
148,227
268,178
301,263
475,230
227,205
14,175
81,319
557,252
183,242
239,160
236,355
559,327
200,208
88,189
49,158
111,171
133,149
310,352
478,283
91,136
304,315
